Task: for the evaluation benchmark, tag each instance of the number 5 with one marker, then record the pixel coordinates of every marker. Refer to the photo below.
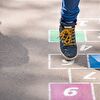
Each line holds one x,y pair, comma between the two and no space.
71,91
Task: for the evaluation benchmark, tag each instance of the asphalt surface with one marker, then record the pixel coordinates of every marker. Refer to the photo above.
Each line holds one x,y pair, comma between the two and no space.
24,48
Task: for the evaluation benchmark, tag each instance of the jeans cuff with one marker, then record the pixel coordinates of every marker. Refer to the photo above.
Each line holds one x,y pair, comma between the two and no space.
68,23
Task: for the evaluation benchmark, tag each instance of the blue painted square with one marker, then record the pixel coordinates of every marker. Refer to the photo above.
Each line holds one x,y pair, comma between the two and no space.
94,61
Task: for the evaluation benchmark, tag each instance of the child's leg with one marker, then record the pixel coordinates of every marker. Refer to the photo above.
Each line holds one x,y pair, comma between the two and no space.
69,12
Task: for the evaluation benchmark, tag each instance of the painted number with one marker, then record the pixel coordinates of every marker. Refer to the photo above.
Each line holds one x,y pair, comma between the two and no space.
89,76
85,47
71,91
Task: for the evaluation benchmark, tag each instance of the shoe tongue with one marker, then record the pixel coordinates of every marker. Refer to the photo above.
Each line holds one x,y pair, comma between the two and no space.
67,26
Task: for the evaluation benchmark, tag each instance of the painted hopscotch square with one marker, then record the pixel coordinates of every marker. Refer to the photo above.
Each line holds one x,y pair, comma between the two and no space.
96,91
71,91
94,61
88,23
88,47
93,35
54,36
84,75
57,61
80,36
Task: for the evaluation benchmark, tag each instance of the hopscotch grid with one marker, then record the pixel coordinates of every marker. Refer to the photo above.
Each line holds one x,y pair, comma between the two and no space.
85,82
76,68
49,61
93,91
84,30
86,35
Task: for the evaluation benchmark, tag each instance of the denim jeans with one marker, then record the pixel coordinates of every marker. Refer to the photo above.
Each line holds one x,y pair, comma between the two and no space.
69,12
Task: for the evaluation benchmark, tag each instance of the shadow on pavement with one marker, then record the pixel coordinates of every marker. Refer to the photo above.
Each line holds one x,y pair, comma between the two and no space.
12,53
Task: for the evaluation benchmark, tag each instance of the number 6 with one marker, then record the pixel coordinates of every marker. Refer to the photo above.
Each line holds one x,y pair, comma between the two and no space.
71,91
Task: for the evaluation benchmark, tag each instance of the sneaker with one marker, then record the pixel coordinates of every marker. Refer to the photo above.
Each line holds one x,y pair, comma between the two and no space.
68,44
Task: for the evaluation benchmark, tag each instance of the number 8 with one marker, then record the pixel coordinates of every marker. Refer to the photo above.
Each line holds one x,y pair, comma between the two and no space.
71,91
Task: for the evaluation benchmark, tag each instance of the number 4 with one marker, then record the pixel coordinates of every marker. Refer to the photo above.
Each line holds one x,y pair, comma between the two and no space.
71,91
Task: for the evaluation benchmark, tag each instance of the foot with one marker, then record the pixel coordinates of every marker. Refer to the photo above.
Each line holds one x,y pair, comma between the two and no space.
68,44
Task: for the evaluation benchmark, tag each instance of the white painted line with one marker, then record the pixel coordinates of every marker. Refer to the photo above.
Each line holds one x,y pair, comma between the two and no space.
55,54
83,68
49,61
50,83
68,83
57,68
88,41
78,30
70,75
93,54
48,35
85,36
88,61
70,68
79,68
93,92
49,90
91,29
92,18
74,83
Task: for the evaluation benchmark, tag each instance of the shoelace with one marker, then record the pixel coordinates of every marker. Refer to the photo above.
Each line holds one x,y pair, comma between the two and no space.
67,36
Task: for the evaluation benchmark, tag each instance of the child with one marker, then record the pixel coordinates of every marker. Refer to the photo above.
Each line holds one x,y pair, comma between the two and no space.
68,21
